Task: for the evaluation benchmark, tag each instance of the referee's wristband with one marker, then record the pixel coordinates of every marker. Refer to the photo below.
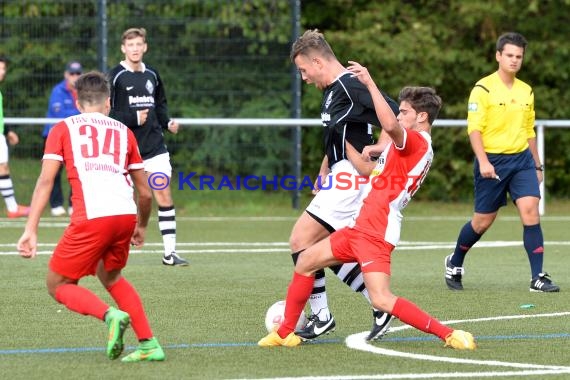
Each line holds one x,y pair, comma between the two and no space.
541,168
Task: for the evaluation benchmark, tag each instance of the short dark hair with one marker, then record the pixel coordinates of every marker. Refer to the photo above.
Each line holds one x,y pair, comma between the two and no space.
3,59
512,38
92,88
422,99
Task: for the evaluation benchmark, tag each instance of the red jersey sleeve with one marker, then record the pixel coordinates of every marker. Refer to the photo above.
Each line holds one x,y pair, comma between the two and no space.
413,141
55,142
134,160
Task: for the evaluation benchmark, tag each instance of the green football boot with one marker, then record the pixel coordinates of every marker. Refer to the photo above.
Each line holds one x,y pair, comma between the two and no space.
147,351
117,321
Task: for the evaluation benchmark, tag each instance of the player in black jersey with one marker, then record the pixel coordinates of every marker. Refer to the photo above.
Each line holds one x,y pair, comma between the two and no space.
138,100
347,113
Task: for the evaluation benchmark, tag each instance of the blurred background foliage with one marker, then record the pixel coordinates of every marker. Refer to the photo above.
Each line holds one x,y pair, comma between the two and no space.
230,59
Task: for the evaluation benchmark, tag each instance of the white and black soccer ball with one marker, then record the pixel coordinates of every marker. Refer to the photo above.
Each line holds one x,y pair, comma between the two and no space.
275,316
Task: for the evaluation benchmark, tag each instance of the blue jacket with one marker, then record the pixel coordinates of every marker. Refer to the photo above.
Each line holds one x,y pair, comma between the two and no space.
61,105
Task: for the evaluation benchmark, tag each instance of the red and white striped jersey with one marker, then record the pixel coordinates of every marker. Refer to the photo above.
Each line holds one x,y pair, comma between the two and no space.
97,152
396,178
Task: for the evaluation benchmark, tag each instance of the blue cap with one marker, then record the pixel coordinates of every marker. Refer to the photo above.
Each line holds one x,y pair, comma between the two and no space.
74,67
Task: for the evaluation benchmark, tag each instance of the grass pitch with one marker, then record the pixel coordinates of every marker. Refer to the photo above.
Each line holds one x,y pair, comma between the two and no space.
210,315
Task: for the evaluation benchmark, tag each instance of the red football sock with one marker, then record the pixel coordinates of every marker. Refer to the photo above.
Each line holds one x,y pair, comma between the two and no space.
81,300
299,291
409,313
129,301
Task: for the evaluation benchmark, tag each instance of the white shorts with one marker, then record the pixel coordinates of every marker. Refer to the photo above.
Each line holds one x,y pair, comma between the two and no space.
158,164
3,150
339,203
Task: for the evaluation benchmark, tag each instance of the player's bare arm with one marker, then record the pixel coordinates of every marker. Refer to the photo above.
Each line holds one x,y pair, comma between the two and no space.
372,152
144,204
486,169
361,164
385,114
324,171
27,244
534,151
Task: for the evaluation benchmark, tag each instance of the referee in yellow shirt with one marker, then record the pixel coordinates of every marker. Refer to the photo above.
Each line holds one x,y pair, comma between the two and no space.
500,124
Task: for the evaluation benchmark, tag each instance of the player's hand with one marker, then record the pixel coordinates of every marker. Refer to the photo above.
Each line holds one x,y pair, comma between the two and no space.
27,245
320,182
370,153
137,239
142,115
487,170
12,138
360,72
173,127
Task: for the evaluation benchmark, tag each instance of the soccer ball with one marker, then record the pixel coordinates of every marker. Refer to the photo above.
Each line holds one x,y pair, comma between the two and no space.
275,316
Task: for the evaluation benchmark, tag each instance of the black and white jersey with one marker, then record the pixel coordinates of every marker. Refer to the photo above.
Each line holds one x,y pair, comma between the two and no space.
138,90
347,113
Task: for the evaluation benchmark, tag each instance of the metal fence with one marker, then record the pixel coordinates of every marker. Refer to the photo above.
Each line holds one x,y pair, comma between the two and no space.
216,58
30,124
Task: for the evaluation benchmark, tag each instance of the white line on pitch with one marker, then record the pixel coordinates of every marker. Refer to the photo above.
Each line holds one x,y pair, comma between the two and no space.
197,244
181,251
358,342
440,375
51,222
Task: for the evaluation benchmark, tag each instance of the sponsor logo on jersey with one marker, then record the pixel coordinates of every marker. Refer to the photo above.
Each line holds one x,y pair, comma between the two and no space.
329,99
149,86
472,107
325,118
141,101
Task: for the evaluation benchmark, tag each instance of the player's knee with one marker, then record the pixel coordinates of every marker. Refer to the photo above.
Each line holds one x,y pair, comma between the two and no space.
305,265
163,197
295,242
4,169
481,225
51,291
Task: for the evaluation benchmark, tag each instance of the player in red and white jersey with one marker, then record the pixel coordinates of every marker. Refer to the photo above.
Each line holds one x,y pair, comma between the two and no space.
398,175
372,238
96,150
347,115
103,162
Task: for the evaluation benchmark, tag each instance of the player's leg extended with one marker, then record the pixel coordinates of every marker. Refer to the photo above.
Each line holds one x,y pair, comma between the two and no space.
306,232
129,301
351,275
76,298
378,284
300,288
83,301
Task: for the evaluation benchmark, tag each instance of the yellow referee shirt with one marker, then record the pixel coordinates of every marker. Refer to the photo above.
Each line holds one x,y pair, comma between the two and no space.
505,117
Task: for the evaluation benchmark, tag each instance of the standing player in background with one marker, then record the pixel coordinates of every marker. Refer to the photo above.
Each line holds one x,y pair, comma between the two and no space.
138,100
6,186
500,124
347,113
101,158
371,239
61,105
